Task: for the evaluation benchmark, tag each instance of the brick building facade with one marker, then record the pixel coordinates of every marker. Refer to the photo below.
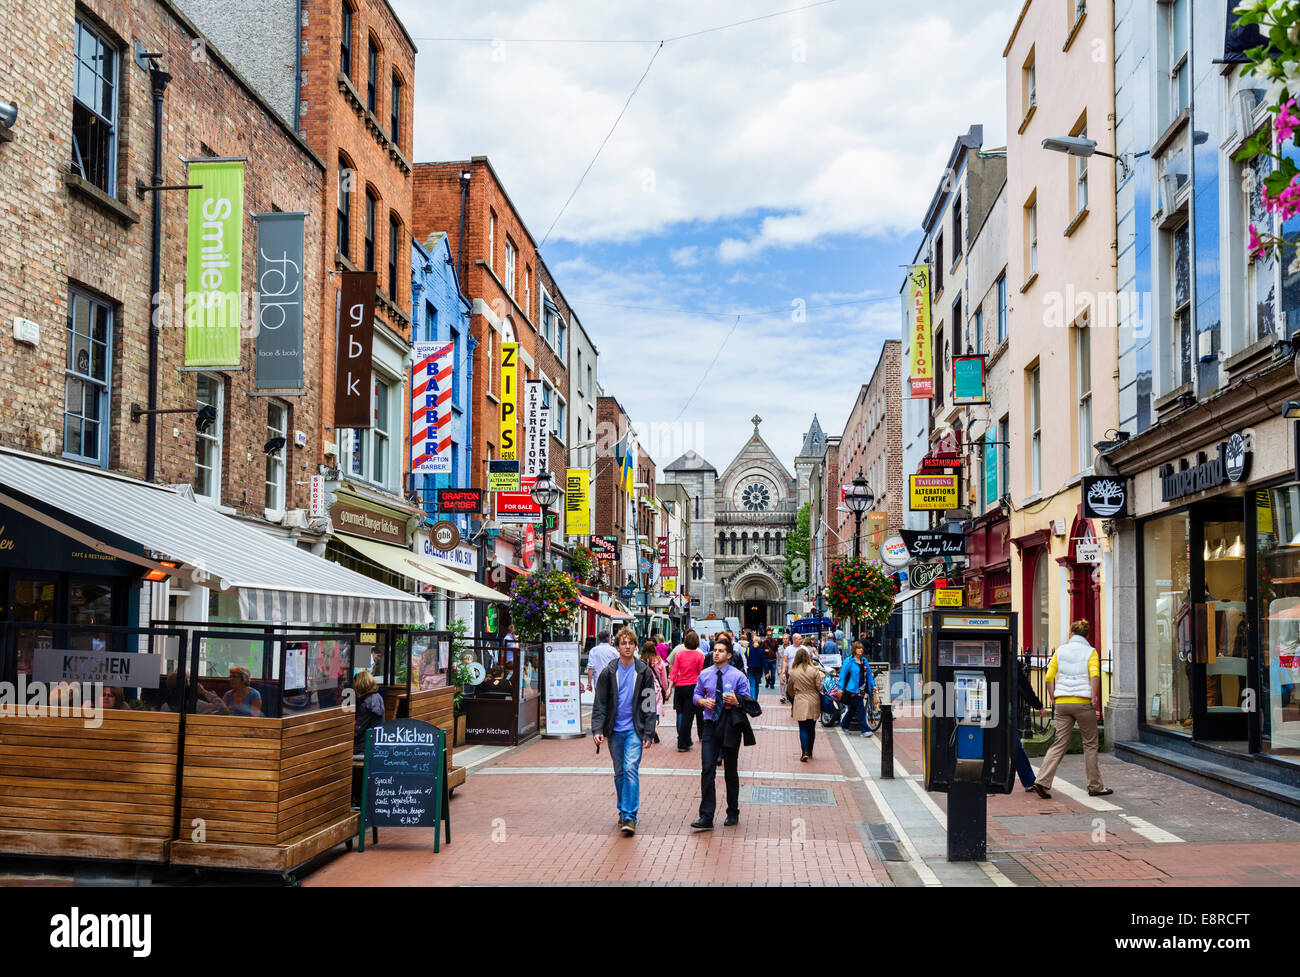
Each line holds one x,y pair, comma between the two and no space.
77,243
872,444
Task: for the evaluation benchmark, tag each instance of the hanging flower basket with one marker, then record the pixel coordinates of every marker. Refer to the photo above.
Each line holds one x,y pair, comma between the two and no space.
861,590
542,603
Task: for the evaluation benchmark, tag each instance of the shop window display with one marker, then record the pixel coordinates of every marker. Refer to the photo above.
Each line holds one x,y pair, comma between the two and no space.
1168,615
1277,518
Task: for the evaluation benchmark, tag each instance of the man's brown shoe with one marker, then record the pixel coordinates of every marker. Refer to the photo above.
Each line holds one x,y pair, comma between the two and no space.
1042,792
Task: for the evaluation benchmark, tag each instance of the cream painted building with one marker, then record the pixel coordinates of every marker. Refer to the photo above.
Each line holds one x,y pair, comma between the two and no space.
1062,355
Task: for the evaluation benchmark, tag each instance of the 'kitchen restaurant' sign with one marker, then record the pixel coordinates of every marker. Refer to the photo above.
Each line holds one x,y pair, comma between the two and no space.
372,525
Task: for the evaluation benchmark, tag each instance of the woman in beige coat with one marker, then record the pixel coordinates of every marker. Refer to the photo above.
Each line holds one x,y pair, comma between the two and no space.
804,687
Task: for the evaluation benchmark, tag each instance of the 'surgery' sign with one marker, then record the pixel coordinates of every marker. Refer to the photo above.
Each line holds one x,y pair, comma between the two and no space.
1229,464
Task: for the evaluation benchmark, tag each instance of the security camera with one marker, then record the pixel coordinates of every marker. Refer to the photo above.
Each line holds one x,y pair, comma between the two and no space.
274,446
8,114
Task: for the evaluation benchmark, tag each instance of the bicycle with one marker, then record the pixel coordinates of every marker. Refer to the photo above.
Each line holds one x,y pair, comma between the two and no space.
871,706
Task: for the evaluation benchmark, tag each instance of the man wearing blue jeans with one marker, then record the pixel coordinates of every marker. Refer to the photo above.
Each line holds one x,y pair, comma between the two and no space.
624,713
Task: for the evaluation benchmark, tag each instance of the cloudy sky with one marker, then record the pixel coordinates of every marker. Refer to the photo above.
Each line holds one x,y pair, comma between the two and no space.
778,169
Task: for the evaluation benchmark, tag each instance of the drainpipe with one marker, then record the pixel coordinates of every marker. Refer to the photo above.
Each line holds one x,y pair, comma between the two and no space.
158,80
460,237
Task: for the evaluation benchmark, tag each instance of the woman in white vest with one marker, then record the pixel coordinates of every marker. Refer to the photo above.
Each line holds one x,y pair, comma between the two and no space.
1074,690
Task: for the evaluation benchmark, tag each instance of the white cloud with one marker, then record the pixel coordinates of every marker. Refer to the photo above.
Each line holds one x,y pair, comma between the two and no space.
851,139
685,257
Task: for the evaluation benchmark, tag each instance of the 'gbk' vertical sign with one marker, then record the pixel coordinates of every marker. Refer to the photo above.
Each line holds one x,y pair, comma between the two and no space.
431,381
355,336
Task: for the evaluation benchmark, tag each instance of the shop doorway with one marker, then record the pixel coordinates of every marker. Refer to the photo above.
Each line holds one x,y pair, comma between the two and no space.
1220,663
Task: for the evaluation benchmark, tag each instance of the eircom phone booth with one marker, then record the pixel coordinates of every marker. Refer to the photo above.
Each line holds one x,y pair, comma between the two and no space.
968,708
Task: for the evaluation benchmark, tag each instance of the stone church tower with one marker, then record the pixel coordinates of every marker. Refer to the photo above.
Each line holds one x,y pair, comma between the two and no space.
740,523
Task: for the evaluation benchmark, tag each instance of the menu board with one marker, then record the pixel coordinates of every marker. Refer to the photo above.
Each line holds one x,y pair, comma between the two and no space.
404,784
563,688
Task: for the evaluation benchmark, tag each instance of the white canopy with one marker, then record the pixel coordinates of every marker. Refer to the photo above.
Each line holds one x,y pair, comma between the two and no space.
274,579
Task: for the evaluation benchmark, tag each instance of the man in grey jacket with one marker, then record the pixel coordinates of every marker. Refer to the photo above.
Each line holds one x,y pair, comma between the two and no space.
625,714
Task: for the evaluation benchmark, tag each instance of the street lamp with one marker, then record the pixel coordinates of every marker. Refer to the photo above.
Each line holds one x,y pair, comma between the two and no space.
1083,146
546,494
859,498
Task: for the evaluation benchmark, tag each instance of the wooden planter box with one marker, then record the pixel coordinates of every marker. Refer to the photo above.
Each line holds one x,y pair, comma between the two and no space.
265,794
460,730
76,792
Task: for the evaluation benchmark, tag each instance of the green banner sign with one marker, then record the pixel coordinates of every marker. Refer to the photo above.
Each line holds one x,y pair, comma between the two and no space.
213,258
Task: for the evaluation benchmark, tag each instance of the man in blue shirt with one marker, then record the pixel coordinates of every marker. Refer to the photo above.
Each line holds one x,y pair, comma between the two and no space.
624,713
717,690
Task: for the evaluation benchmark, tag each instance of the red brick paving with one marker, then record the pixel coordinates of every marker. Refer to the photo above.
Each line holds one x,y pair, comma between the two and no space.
555,828
559,828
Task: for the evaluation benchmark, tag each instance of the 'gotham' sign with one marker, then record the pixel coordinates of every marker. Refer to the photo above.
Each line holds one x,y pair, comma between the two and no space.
1228,465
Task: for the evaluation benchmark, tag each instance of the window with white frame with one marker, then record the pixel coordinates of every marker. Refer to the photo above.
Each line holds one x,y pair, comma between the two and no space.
87,381
1180,287
94,108
1031,236
492,239
1083,360
370,452
528,291
561,337
1260,272
277,426
1180,74
207,444
1080,176
1002,307
559,418
510,268
1036,432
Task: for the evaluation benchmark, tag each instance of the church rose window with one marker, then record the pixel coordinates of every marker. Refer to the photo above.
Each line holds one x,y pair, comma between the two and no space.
755,497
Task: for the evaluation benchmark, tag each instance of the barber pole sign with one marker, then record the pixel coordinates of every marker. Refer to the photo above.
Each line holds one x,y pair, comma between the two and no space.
431,408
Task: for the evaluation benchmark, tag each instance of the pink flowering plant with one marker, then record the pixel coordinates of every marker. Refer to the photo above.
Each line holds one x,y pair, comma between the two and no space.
543,603
1277,62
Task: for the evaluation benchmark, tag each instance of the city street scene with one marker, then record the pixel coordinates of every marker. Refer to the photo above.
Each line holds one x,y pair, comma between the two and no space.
572,444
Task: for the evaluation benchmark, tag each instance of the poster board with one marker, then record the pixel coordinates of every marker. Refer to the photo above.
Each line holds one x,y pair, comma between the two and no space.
563,688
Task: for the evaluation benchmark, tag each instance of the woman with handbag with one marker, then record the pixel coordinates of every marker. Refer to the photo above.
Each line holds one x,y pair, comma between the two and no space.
804,687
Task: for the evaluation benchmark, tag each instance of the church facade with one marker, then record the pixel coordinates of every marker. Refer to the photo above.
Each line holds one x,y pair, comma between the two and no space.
741,520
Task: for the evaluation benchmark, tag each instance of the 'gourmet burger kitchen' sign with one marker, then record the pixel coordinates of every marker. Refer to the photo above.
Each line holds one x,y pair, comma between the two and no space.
1229,464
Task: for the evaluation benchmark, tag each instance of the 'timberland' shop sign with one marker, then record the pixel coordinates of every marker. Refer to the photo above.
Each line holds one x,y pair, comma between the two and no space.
1229,464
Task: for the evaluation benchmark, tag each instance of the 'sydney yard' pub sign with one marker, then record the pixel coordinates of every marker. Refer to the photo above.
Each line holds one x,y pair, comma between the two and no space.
1229,464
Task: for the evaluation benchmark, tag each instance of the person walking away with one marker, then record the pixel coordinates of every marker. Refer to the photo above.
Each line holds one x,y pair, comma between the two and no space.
830,647
788,652
804,688
775,656
756,662
1074,692
720,691
856,682
650,655
624,714
599,656
685,669
1026,698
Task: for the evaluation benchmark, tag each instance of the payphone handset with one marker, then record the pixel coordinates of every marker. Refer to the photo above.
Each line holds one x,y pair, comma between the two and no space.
972,699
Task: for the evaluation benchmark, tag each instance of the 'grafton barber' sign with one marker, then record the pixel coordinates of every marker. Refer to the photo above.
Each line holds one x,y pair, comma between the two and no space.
1229,464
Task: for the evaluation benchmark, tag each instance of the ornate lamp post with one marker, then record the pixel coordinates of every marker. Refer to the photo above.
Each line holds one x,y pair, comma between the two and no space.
546,494
859,498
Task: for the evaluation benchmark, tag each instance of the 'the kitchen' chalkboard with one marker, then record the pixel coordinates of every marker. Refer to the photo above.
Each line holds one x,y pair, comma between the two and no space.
405,778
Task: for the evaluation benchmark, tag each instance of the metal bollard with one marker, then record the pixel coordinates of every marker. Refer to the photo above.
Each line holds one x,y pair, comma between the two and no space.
886,741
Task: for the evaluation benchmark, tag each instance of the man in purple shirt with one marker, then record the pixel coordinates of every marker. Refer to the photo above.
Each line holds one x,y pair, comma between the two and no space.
716,690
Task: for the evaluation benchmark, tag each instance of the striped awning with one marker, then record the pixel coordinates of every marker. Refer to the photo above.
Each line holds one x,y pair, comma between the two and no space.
274,579
416,567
